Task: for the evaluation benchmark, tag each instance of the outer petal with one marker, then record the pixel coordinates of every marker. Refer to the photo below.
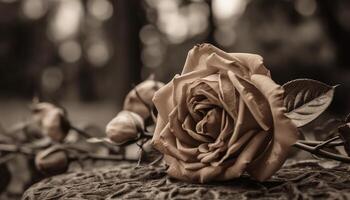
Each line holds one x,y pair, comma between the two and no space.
163,101
166,143
198,58
285,132
192,172
255,101
247,155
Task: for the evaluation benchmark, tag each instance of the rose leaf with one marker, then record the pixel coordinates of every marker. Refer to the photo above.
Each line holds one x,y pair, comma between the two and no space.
306,99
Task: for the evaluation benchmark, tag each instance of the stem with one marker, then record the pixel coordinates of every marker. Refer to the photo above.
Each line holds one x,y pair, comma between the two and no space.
322,153
105,157
155,161
314,143
325,143
16,149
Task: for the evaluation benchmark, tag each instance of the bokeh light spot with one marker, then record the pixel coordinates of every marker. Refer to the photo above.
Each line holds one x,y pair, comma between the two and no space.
100,9
70,51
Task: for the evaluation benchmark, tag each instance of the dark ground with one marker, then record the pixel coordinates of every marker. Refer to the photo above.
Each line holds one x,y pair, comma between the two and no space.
302,180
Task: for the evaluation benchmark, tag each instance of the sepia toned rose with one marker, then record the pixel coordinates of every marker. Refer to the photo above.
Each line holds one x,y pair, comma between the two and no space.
146,91
125,127
51,120
222,116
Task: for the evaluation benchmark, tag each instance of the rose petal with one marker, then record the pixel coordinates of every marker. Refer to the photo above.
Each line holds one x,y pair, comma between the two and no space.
227,125
227,96
210,157
163,101
203,148
178,170
178,131
160,126
245,122
193,166
199,58
285,132
237,145
253,61
167,145
180,81
220,63
255,101
191,151
246,156
210,124
188,126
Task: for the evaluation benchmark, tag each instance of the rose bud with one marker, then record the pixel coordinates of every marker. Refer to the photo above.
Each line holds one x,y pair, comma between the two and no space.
139,99
222,117
52,161
125,127
51,120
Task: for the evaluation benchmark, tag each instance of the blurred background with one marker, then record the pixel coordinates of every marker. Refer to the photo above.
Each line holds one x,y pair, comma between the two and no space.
86,54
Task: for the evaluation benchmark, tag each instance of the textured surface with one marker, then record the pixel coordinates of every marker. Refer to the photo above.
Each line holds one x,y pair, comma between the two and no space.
306,180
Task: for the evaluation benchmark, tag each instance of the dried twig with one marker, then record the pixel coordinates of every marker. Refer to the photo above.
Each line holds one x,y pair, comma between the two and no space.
12,148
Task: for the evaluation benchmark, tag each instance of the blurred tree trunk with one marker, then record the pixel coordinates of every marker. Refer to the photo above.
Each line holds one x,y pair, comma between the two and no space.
128,20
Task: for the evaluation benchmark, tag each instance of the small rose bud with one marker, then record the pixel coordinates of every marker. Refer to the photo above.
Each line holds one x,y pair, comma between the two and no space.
146,91
51,120
125,127
52,161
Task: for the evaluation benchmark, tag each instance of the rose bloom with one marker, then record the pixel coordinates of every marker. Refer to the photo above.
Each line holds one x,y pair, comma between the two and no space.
146,90
51,120
125,127
222,116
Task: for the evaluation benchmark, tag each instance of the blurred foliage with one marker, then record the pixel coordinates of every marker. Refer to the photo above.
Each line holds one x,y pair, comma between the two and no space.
96,49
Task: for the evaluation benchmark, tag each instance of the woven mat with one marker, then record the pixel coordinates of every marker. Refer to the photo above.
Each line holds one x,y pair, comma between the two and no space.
302,180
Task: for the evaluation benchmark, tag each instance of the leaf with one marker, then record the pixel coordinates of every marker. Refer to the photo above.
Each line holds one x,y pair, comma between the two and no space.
306,99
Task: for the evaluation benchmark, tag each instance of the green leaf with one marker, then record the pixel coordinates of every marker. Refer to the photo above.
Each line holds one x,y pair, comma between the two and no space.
306,99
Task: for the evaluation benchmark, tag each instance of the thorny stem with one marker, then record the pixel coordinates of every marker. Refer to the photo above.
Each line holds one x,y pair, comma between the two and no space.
322,153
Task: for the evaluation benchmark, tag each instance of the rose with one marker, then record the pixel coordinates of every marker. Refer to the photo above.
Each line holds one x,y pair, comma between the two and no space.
126,126
52,121
141,102
52,160
222,116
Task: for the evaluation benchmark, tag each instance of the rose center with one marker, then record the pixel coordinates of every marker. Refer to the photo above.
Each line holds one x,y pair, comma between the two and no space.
210,123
